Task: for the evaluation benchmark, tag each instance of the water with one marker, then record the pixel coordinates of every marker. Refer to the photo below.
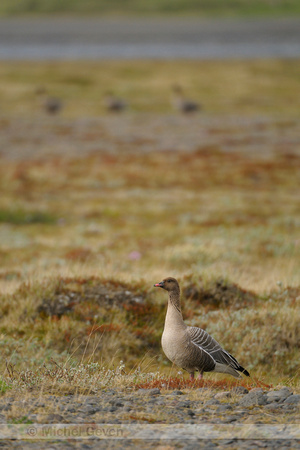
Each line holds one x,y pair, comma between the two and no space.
49,39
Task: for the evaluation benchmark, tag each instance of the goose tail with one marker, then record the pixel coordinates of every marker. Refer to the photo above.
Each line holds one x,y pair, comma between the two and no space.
244,371
223,368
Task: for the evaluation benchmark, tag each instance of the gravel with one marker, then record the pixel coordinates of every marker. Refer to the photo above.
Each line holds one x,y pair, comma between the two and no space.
155,406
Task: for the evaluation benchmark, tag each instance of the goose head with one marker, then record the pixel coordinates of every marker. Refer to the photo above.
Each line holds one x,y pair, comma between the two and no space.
169,284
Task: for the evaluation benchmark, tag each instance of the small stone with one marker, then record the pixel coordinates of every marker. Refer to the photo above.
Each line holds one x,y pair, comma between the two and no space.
116,402
274,405
190,412
2,418
229,419
278,396
223,395
6,407
289,406
154,391
71,409
53,418
253,399
223,408
142,391
185,404
212,401
239,390
293,399
256,390
89,409
177,393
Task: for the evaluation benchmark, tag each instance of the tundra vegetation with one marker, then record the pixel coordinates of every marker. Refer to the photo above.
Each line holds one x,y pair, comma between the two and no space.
95,208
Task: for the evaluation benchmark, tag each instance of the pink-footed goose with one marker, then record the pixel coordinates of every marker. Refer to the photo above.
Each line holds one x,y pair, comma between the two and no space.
183,104
51,105
113,103
191,348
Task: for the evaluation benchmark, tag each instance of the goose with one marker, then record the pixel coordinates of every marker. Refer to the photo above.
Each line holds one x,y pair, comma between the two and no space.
114,104
192,348
183,104
52,105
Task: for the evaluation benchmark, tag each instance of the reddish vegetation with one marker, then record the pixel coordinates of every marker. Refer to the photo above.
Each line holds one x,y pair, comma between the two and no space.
143,332
140,310
79,254
67,336
64,281
181,383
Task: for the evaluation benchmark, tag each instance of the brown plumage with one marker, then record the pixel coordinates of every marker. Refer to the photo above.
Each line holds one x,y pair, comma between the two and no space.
192,348
114,104
51,105
183,104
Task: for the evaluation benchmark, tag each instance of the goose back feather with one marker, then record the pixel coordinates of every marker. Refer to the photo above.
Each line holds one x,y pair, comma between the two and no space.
207,343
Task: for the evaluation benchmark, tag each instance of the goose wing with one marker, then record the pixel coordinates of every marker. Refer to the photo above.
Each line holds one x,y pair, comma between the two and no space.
207,343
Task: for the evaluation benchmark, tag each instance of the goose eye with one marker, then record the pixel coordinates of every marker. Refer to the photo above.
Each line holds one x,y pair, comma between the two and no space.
169,281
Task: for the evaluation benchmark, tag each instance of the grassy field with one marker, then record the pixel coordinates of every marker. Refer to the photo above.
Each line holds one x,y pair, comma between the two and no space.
200,7
87,230
259,87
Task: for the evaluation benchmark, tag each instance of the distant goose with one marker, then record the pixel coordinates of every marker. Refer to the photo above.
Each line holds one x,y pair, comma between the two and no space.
114,104
183,104
191,348
52,105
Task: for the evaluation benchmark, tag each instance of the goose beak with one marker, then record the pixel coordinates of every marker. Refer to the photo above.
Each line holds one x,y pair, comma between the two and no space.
161,284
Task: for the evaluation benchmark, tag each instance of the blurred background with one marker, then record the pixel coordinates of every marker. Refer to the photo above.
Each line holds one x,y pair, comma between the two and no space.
145,139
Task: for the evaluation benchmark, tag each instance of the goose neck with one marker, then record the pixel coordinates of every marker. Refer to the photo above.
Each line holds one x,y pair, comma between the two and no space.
174,315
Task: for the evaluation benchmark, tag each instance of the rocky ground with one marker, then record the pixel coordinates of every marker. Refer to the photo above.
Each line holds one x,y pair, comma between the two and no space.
152,406
39,137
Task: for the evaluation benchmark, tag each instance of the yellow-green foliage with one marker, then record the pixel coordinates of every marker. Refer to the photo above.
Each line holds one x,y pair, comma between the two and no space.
222,87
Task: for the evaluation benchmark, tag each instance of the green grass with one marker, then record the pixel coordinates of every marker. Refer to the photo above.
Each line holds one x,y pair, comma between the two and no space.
21,420
20,217
199,7
4,387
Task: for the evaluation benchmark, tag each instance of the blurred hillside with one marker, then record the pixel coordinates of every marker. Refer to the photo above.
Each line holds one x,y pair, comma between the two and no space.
200,7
